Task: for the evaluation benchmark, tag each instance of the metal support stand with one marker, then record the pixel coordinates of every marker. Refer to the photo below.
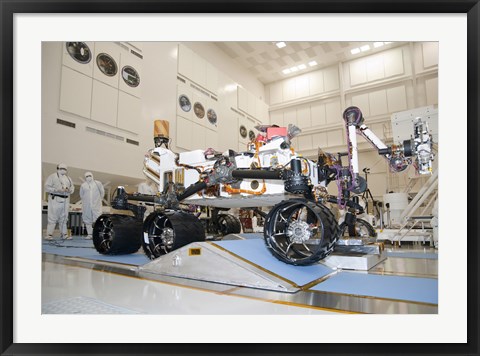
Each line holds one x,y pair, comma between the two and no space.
356,254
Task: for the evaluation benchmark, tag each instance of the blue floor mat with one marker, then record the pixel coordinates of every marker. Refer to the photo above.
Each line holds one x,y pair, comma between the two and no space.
430,256
392,287
255,251
79,247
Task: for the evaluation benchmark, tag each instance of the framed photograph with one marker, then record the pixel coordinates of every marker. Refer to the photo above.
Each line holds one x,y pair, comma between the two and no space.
454,25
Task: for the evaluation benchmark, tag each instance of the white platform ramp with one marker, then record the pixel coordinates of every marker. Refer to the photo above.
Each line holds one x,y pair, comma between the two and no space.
205,261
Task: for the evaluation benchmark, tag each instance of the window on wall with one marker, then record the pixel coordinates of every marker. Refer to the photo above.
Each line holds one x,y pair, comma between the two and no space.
107,64
79,51
130,76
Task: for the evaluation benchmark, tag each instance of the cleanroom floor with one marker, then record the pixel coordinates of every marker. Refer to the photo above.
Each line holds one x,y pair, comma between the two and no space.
73,282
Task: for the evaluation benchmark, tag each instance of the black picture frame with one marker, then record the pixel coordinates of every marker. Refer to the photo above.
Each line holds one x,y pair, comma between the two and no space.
11,7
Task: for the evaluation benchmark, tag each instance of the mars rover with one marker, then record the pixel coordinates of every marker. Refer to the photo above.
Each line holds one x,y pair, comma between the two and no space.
299,229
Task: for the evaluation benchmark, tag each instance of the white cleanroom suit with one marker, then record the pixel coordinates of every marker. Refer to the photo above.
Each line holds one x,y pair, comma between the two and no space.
59,187
91,193
146,188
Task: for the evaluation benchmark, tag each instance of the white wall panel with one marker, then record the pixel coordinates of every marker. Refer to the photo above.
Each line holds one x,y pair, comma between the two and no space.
129,112
184,133
393,62
276,117
104,103
397,99
319,140
185,61
431,88
333,112
430,54
85,68
198,137
375,69
276,93
302,88
252,105
378,129
289,89
113,51
211,139
242,99
305,142
76,92
262,113
330,78
335,138
289,117
318,114
316,82
378,102
361,101
199,70
358,72
303,117
212,78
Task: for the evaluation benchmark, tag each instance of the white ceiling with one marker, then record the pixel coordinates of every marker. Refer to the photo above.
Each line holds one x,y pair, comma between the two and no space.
266,61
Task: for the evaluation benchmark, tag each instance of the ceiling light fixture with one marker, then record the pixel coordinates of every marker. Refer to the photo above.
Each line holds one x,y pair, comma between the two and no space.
387,42
280,44
286,71
355,50
365,48
294,69
302,66
312,63
377,44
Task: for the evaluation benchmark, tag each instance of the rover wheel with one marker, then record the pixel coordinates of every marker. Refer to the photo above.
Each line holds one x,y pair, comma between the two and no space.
228,224
115,234
300,232
164,232
362,229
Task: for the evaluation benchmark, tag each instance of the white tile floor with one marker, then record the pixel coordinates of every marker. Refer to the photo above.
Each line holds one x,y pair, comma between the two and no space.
89,291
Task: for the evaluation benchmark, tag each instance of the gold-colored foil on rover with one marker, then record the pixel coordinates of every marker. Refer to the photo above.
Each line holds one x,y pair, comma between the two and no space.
161,128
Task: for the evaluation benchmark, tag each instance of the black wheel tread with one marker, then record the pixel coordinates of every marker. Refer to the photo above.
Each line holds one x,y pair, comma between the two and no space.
331,234
370,228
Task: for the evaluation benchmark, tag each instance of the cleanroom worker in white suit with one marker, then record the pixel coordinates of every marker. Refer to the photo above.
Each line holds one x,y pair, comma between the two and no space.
59,187
91,193
146,188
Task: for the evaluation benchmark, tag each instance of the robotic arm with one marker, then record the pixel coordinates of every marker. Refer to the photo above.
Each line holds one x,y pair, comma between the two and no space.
417,150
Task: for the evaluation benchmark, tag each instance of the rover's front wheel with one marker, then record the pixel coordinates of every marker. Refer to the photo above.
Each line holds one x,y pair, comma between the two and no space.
300,232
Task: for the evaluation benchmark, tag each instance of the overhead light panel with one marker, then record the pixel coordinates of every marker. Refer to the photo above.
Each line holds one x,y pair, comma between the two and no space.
302,66
365,48
377,44
294,69
286,71
387,42
355,50
280,44
312,63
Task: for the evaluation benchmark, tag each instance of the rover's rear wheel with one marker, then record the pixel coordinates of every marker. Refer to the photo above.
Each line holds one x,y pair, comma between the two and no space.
361,229
300,232
228,224
115,234
164,232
